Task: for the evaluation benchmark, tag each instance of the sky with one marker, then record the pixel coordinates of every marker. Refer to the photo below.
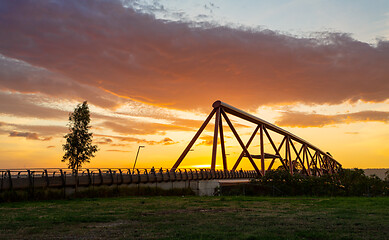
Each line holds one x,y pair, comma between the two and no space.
150,71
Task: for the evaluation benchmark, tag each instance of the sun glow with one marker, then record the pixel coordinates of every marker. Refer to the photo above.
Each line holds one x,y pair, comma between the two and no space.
154,83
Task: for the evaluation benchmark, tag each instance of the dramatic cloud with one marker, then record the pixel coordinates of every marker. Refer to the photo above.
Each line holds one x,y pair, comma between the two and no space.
116,150
43,130
101,44
165,141
207,140
28,135
129,127
104,141
19,76
32,132
126,126
23,105
299,119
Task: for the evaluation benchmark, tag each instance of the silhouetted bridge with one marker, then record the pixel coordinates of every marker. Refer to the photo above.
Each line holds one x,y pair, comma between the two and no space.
308,160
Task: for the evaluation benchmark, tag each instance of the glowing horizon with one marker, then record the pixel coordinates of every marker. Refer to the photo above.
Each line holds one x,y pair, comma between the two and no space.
151,71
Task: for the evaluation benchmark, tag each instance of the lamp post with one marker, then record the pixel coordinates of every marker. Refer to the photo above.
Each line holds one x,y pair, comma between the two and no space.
136,157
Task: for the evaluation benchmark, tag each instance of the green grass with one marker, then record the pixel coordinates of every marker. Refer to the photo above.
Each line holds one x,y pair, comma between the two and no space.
197,218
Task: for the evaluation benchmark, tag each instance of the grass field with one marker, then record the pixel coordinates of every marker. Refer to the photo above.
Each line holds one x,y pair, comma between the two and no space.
197,218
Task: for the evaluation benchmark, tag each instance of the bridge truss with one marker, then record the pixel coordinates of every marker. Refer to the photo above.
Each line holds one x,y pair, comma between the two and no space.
308,160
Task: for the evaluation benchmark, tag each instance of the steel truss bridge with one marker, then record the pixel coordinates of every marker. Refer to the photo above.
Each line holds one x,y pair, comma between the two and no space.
308,160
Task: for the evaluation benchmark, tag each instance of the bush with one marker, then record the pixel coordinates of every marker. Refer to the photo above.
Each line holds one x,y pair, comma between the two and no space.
347,182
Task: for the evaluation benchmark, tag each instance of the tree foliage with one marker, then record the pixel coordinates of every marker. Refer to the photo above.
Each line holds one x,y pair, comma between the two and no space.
347,182
78,147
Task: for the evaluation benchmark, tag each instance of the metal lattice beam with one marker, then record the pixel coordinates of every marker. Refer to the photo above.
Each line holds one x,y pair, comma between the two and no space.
318,164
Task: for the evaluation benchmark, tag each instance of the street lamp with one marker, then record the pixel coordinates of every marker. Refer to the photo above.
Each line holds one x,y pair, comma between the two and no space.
137,157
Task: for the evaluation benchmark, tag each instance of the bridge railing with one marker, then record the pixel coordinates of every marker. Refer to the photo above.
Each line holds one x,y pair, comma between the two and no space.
18,179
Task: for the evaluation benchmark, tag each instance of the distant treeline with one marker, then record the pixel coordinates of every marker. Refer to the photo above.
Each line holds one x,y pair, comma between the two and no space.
347,182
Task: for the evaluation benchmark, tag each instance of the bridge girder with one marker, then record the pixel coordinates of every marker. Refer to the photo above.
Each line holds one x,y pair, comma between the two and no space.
319,163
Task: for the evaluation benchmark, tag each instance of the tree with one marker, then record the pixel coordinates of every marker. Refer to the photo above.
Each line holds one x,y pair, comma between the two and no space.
78,147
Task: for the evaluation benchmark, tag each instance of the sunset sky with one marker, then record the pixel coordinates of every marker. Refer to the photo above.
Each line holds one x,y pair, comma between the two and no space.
150,71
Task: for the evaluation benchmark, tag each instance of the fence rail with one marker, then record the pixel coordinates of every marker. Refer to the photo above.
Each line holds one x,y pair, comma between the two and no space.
19,179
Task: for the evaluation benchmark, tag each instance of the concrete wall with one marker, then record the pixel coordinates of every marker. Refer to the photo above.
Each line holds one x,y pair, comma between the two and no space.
202,182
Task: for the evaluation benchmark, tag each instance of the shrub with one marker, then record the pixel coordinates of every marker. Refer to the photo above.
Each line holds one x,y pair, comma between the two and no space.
347,182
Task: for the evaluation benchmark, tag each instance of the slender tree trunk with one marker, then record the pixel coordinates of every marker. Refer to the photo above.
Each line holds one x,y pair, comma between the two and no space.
76,177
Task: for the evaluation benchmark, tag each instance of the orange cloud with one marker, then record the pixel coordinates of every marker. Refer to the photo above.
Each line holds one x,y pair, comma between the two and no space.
22,105
22,77
167,141
129,127
104,141
207,140
116,150
32,132
28,135
136,56
41,130
164,141
300,119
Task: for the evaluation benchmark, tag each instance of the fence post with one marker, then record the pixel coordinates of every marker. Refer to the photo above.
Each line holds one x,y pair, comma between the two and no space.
47,178
186,175
63,183
89,178
175,175
10,180
180,174
76,186
121,177
30,184
168,175
147,175
110,173
101,177
129,172
154,174
137,170
2,178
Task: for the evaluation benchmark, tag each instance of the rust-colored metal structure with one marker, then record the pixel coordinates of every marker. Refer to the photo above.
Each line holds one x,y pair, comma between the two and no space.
308,160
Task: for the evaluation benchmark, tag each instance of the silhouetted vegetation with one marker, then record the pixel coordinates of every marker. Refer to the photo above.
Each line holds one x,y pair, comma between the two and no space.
78,147
348,182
